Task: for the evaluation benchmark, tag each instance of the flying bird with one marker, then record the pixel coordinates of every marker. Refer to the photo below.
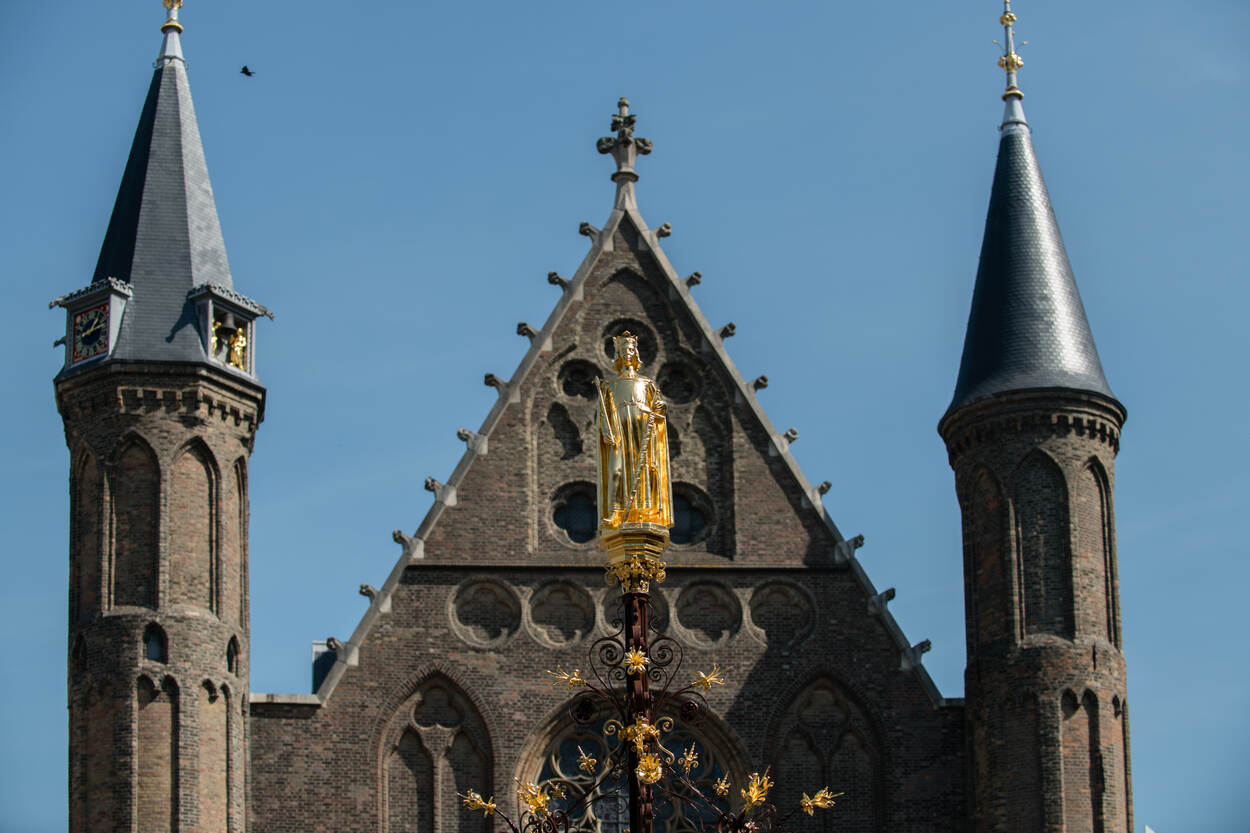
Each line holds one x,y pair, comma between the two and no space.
247,71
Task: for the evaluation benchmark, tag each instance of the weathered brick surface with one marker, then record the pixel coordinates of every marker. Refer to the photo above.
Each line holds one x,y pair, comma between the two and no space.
444,690
502,593
157,494
1045,685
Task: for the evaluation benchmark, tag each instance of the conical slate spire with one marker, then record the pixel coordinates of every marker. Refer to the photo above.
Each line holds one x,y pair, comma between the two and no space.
1027,329
164,236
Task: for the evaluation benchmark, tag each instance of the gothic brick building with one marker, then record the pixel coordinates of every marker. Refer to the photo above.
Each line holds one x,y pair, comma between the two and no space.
503,576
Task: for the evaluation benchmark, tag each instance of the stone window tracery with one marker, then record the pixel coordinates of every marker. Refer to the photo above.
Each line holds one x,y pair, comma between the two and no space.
824,736
438,746
558,766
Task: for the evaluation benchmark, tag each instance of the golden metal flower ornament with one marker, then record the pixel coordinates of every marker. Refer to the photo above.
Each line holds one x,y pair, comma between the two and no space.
649,769
635,575
722,786
636,661
533,797
640,733
1007,19
1011,62
474,801
689,759
823,799
572,679
756,791
585,762
711,678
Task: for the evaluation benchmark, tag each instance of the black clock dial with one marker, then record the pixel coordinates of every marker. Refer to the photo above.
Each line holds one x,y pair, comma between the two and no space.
90,332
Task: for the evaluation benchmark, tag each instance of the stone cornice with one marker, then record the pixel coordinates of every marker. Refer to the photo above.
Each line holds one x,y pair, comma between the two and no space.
139,387
1048,412
226,293
89,291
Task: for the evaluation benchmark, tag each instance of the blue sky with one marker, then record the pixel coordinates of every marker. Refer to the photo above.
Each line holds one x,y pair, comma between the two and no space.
398,178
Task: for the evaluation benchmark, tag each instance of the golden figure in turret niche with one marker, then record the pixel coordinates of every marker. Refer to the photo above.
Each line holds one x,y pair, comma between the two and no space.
633,445
238,350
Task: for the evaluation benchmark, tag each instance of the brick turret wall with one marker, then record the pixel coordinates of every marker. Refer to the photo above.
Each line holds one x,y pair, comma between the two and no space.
158,669
1046,702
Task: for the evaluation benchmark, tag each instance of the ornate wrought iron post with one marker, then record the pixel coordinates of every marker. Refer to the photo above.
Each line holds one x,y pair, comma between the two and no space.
634,552
638,697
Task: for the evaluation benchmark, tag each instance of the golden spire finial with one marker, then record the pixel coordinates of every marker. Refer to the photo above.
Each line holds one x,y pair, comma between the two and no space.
171,19
1010,61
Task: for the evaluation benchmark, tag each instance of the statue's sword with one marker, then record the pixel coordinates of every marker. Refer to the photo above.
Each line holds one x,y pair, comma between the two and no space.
642,461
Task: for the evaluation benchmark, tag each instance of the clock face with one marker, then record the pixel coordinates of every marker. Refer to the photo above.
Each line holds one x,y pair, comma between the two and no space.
91,332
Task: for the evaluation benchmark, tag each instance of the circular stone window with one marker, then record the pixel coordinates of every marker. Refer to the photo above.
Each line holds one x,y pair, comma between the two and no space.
485,612
573,510
782,614
576,379
646,339
709,613
692,515
561,613
678,383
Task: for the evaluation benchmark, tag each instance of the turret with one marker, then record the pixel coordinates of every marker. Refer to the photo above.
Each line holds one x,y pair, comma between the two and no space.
1032,433
160,402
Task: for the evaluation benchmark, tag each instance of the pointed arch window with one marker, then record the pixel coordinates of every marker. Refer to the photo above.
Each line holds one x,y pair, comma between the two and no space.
438,748
155,645
1043,545
825,736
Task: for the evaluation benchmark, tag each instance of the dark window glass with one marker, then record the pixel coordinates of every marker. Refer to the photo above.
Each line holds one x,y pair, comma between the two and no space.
577,379
154,644
688,520
577,517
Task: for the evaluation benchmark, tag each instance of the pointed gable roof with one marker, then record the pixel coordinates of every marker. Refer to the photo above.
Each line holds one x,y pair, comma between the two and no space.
624,229
1027,329
164,237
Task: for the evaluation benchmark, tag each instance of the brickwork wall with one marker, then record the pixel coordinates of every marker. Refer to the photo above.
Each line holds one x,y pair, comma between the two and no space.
159,434
909,781
95,787
1082,779
1093,568
135,487
191,505
1043,540
211,773
502,593
231,550
1067,768
156,777
86,541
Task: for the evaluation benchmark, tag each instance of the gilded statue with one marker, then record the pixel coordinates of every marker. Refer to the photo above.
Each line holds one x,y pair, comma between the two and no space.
633,445
238,350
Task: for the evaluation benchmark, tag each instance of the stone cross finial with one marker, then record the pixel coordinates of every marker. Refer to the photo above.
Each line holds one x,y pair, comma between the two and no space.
624,149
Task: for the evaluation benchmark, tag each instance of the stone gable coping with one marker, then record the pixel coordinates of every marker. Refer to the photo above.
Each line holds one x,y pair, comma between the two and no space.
744,393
